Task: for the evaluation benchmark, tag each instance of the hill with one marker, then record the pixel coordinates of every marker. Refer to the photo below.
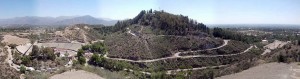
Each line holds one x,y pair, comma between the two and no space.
80,33
157,34
170,24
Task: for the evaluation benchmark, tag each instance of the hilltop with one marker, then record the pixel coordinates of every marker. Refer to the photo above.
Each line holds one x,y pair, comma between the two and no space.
160,42
157,34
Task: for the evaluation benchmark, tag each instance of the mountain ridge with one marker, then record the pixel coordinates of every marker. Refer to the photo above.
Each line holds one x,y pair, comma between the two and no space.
61,20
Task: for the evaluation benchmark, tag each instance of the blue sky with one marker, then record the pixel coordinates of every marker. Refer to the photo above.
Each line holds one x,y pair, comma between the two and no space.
205,11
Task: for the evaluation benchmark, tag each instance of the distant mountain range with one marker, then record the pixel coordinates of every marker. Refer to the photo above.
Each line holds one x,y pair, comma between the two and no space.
62,20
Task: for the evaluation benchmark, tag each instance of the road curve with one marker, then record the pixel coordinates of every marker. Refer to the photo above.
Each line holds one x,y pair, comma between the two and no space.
172,57
198,68
176,55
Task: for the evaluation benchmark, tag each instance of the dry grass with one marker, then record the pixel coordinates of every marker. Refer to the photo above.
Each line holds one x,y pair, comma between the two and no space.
267,71
6,72
73,74
9,39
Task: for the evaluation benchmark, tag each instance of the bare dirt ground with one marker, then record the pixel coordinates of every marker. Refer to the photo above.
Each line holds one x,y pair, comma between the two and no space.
24,48
276,44
14,40
2,52
71,46
268,71
80,74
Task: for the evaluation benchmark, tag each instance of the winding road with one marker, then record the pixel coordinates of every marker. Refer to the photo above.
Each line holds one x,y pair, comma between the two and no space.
198,68
177,55
172,57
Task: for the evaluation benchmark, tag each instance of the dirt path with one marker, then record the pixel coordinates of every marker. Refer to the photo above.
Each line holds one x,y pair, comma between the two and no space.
199,68
129,31
178,56
172,57
224,44
9,59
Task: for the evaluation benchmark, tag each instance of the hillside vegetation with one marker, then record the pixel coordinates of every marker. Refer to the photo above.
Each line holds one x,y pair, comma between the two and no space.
156,34
163,37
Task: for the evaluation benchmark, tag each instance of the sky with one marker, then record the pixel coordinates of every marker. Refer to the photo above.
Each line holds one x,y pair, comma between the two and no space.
205,11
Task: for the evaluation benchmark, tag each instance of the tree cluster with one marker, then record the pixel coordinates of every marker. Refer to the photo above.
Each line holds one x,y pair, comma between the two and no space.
42,53
80,57
226,34
97,47
169,23
100,61
97,58
37,54
119,26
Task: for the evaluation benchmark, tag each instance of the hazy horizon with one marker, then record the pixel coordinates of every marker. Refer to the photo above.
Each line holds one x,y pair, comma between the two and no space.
205,11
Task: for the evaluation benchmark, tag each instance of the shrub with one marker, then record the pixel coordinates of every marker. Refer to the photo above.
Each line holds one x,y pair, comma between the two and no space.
281,58
80,53
26,60
48,53
22,69
81,60
12,46
35,51
95,60
86,47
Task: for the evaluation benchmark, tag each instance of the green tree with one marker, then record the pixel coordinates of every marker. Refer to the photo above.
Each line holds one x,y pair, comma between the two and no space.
35,51
26,60
95,60
80,57
22,69
98,47
139,16
85,47
48,53
81,60
118,66
80,53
